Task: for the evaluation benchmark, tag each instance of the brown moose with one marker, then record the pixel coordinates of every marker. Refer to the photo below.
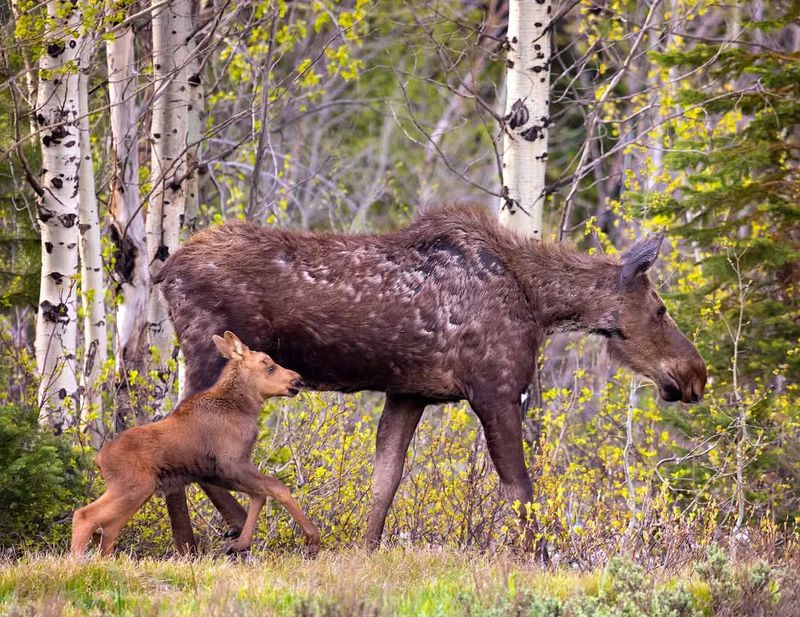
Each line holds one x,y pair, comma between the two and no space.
209,438
452,307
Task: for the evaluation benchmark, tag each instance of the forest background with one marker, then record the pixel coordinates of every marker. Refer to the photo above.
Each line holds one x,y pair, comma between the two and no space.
128,125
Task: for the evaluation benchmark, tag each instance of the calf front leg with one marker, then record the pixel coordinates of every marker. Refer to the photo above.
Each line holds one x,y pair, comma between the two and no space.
230,509
259,486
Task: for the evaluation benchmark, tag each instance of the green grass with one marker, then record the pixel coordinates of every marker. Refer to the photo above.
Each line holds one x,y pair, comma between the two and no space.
340,583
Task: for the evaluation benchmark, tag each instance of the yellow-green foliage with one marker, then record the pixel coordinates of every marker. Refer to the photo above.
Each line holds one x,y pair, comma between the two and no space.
322,447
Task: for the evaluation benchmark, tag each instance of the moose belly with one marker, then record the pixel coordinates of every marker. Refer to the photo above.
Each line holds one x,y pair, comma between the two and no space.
353,358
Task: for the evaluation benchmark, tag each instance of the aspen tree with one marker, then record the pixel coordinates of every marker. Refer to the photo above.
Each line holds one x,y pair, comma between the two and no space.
168,172
527,115
57,112
91,256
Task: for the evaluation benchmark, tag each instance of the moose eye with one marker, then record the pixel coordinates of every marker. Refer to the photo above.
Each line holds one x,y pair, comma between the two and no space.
271,369
662,310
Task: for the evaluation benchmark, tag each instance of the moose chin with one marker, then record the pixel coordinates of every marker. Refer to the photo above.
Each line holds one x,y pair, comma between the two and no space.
452,307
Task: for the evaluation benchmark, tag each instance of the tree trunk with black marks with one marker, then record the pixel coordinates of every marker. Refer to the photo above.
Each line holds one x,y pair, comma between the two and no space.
527,115
91,255
57,113
127,230
194,133
168,170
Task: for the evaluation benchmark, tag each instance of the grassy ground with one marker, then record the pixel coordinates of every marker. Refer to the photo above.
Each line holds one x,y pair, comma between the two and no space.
352,583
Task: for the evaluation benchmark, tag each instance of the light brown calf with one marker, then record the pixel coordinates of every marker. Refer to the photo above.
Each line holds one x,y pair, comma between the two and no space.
208,438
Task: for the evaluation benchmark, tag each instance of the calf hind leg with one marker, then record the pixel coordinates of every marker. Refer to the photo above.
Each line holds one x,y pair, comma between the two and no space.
109,514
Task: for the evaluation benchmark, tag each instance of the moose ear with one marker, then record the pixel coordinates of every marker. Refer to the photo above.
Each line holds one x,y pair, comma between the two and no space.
237,347
638,259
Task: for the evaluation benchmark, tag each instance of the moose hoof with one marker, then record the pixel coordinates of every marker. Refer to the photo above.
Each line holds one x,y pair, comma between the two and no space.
232,533
310,550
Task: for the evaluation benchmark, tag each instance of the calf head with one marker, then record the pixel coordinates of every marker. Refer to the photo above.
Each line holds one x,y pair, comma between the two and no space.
641,334
258,372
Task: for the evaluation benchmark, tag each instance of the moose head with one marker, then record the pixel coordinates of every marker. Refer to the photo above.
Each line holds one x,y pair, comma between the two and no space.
642,335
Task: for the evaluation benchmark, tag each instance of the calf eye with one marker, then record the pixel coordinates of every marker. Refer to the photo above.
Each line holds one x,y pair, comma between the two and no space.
271,369
662,310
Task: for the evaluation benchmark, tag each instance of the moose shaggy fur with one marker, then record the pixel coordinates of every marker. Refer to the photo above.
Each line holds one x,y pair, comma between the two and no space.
452,307
209,438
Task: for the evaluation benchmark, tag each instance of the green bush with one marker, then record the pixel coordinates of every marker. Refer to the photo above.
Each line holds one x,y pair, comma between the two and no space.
42,480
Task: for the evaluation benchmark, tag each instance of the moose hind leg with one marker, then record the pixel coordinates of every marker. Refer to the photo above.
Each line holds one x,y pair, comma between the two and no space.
401,415
230,509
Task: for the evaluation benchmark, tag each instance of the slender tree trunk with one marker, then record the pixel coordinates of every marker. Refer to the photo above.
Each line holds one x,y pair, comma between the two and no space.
194,132
127,230
91,254
168,170
527,115
57,116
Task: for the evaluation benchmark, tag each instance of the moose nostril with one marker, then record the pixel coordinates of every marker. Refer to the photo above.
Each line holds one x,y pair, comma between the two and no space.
298,383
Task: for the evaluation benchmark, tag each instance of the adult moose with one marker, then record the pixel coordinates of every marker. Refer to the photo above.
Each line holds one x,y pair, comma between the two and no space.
452,307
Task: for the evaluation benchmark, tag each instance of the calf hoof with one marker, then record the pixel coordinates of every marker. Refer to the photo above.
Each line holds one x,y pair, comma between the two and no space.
239,556
235,548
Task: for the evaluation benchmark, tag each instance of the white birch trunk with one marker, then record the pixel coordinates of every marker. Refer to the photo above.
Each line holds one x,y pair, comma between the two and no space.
91,255
57,117
127,220
194,132
168,168
527,116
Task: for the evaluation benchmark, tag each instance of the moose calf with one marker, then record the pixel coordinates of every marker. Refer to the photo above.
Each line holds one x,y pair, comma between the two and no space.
209,438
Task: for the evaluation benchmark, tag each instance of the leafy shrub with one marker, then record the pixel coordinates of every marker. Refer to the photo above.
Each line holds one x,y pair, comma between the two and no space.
42,479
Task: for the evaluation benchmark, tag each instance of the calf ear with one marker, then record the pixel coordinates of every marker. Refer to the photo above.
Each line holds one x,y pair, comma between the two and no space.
235,344
638,259
223,348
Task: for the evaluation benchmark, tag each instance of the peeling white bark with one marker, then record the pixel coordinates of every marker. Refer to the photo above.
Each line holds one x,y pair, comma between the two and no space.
57,113
168,170
91,254
127,220
527,115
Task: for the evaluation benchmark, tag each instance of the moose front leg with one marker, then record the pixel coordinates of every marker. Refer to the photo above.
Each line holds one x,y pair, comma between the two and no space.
179,520
399,420
502,426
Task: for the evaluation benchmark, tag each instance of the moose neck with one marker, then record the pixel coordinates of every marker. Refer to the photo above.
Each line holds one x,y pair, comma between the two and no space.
232,387
569,291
